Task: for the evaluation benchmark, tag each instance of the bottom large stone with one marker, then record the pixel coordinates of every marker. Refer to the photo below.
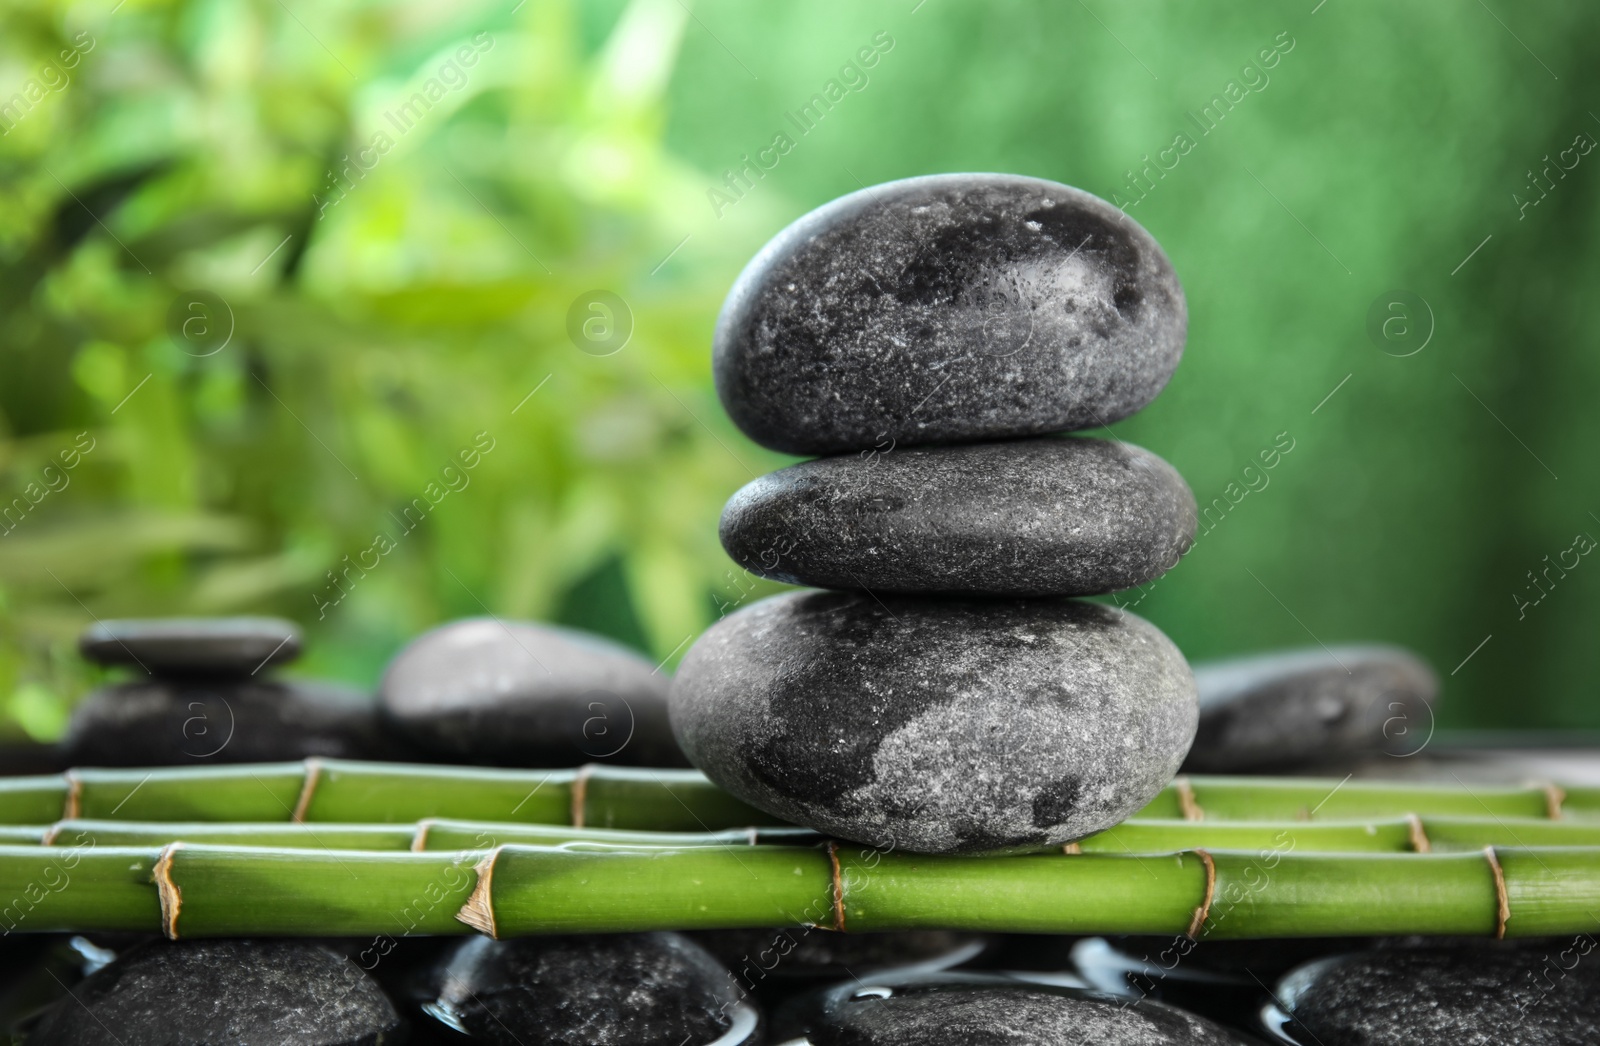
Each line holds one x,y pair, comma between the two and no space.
937,725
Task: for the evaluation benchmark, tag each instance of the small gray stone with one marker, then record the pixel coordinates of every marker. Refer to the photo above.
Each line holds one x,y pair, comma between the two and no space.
1073,517
936,725
189,721
1271,711
811,953
947,308
975,1010
1463,995
642,989
524,694
208,646
247,992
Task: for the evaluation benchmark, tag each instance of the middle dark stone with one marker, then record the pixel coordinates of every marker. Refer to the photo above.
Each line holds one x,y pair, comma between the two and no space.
1027,517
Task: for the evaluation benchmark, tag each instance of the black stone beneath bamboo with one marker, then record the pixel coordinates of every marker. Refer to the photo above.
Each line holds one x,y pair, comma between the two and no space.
650,989
285,992
1026,517
1468,994
936,725
973,1010
521,694
947,308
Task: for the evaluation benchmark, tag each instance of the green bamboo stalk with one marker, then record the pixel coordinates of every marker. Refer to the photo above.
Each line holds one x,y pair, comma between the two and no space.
189,890
438,834
347,791
1388,835
663,800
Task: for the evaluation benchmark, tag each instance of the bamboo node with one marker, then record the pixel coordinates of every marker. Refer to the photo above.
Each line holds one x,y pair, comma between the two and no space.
1419,837
50,834
1502,899
1186,800
1072,848
419,841
1202,913
302,805
478,912
838,887
580,793
72,804
754,835
1554,796
167,890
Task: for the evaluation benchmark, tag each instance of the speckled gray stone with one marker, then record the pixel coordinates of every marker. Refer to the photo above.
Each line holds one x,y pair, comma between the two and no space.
523,694
1027,517
645,989
974,1010
936,725
1464,995
1286,708
947,308
194,721
209,646
240,992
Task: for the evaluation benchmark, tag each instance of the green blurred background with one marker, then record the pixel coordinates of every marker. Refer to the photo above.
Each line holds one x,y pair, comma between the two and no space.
385,319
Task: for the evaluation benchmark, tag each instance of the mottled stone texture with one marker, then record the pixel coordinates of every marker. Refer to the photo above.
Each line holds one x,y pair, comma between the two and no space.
1464,995
207,646
1026,517
936,726
646,989
193,721
245,992
947,308
523,694
1287,708
978,1011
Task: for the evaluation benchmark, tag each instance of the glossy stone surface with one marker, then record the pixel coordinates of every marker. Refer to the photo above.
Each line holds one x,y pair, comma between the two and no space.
522,694
972,1010
645,989
1288,708
936,725
1025,517
811,953
194,721
206,646
251,992
947,308
1462,995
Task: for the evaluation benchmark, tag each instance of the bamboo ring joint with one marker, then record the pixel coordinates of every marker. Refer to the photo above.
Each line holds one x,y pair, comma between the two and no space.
302,805
171,896
1502,899
72,804
1204,911
1419,838
580,793
1186,800
1554,796
838,887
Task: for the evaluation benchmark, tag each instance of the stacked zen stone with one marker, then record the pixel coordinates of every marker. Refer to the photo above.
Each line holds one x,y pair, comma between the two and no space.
205,693
929,336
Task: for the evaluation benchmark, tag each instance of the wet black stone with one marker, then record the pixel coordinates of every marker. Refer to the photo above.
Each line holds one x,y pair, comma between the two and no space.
1462,995
947,308
1026,517
523,694
204,646
647,989
167,722
977,1010
247,992
1289,708
936,725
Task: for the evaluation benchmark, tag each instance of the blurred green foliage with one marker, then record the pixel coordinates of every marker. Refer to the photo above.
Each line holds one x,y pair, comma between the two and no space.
396,280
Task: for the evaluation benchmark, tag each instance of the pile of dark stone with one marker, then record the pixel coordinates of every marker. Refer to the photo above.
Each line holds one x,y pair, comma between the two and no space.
932,337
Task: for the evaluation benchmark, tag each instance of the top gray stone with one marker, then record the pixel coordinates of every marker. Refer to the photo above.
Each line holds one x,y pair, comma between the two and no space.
217,646
1482,994
1288,708
525,694
947,308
